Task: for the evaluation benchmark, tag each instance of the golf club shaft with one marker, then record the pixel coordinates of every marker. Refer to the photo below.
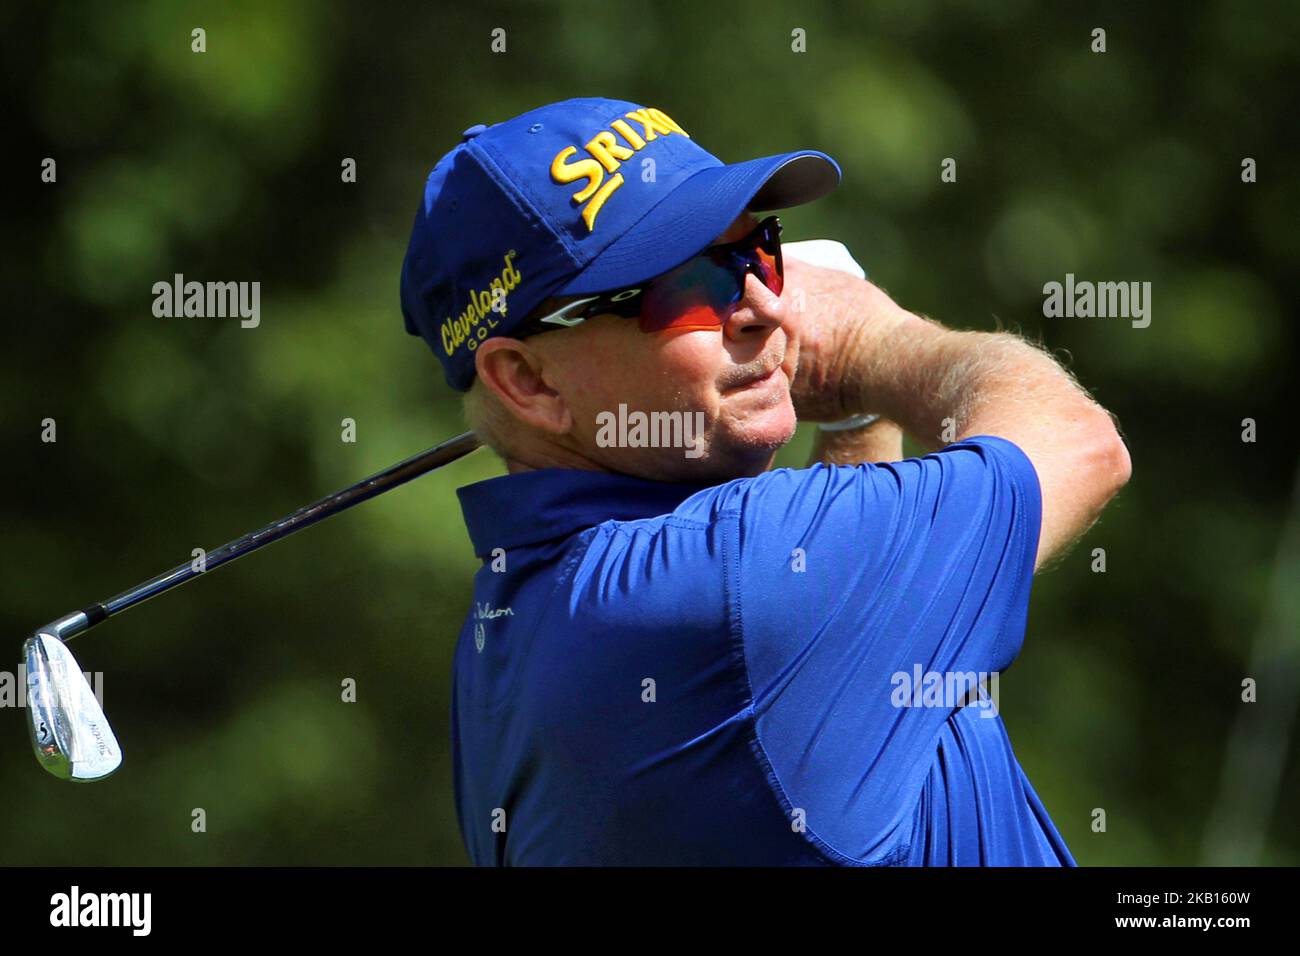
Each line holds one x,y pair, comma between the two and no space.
364,490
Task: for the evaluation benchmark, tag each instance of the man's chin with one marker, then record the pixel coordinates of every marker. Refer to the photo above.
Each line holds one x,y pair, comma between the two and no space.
771,427
753,442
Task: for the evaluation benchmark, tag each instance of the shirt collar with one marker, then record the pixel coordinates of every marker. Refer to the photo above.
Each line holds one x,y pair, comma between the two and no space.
529,507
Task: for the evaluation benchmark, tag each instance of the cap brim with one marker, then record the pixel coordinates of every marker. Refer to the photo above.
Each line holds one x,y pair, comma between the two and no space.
692,216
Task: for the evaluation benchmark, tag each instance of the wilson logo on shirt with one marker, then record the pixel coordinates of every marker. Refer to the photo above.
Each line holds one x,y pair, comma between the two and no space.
484,611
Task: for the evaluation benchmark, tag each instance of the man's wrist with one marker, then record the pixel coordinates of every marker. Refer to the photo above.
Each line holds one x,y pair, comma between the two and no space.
852,423
878,440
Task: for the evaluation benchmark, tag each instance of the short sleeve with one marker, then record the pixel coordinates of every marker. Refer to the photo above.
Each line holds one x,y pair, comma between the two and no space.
855,584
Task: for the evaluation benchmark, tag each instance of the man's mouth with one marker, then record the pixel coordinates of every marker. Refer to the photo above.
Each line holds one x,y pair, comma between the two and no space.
758,381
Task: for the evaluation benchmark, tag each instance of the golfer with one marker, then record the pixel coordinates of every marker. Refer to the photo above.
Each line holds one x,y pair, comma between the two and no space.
676,654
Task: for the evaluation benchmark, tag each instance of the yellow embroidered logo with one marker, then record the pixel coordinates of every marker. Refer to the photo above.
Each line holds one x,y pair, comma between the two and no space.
607,155
470,326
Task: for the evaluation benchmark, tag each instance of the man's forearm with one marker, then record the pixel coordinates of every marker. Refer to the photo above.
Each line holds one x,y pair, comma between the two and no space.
867,354
932,380
936,382
882,440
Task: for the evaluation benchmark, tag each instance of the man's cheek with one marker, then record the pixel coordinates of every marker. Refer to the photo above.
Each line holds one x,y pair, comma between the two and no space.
692,356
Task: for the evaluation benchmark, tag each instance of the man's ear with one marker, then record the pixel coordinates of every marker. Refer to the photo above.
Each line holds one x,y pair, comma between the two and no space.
517,374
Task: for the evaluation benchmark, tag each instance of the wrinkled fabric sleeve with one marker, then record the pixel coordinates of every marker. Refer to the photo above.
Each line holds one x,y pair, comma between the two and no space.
853,581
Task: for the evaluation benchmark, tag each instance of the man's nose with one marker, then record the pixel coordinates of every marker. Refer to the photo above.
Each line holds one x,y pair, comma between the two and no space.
758,313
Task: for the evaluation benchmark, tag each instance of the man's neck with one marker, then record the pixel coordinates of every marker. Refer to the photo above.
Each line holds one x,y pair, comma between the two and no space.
551,457
573,460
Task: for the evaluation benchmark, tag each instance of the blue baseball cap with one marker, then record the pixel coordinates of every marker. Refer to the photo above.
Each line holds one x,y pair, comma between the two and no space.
582,196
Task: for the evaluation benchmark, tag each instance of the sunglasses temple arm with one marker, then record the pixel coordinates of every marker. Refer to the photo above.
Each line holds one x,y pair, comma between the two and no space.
559,316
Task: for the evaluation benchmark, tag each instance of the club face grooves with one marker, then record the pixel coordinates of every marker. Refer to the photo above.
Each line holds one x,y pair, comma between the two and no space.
69,733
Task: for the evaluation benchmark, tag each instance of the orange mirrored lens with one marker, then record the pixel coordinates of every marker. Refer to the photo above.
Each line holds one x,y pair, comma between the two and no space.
703,292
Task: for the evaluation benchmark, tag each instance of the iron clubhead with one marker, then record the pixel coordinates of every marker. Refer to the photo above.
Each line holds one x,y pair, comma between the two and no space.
69,731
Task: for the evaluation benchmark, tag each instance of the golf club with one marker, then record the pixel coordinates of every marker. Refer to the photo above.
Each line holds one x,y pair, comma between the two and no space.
69,731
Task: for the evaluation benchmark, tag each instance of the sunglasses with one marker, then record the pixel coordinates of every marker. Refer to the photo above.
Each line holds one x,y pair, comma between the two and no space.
701,293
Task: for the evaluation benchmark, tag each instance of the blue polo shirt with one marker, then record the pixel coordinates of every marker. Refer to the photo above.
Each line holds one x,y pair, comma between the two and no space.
772,671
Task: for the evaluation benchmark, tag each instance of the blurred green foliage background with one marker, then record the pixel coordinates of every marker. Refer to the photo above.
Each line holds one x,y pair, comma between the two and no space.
177,433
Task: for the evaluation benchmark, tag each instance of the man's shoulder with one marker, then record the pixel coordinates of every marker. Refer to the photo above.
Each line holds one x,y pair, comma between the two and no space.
730,497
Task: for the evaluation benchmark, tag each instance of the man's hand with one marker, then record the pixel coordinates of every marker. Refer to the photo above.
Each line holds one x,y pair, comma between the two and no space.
831,314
